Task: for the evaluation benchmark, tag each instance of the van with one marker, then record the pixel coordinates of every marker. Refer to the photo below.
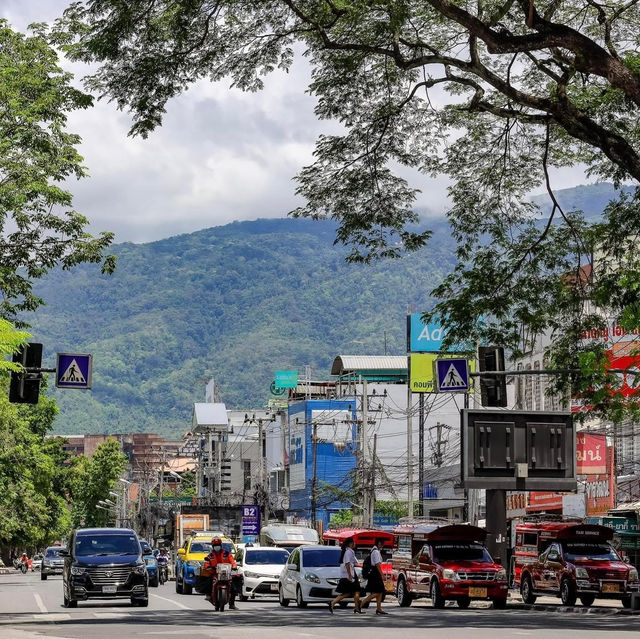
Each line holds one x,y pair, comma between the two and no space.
288,536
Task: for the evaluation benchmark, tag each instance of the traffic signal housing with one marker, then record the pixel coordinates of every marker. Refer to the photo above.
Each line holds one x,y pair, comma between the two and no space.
25,386
493,390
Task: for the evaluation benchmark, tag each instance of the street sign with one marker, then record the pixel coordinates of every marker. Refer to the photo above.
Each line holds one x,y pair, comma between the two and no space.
74,370
452,375
250,520
421,375
286,379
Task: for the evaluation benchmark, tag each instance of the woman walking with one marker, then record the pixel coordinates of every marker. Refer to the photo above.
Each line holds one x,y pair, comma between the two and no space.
348,586
375,581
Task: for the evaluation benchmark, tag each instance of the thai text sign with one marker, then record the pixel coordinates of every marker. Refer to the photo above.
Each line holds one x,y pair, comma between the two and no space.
591,454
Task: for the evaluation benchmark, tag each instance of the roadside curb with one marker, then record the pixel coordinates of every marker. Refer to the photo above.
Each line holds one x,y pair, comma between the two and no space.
4,571
574,609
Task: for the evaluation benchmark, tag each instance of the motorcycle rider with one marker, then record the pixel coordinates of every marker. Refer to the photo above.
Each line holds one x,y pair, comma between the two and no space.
219,555
163,562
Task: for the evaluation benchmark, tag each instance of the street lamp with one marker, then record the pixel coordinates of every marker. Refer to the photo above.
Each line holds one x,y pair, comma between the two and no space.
124,481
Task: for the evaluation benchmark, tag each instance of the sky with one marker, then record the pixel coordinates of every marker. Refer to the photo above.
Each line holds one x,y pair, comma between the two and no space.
221,155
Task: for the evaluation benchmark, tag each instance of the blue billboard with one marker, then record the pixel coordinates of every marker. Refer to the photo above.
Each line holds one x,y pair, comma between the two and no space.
421,337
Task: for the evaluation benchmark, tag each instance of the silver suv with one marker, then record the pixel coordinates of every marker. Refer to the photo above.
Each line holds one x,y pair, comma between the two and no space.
52,563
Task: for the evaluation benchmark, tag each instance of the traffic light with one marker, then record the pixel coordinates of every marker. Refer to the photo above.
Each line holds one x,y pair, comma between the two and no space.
25,386
493,390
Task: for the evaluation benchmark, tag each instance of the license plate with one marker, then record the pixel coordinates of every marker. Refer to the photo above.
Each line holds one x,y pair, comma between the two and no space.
274,587
477,592
610,588
110,589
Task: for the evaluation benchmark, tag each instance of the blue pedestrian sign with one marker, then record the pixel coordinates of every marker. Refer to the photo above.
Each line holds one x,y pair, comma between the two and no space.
74,370
452,375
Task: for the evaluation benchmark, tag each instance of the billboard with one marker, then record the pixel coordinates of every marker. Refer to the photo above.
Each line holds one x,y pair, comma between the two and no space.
421,337
421,374
601,489
518,450
591,453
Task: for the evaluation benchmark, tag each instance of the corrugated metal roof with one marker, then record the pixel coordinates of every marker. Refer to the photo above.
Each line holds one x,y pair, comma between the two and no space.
210,415
354,363
633,505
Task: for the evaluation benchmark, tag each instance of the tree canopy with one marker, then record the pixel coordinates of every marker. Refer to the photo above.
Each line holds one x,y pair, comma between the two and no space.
38,228
494,94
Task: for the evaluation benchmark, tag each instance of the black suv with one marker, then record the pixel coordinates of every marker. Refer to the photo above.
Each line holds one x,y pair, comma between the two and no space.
104,563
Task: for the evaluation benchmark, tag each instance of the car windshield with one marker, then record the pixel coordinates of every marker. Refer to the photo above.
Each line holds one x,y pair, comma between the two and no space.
53,552
461,552
321,558
581,550
264,557
206,547
96,545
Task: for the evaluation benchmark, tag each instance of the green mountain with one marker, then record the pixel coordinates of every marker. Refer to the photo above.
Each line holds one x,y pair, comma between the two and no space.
236,303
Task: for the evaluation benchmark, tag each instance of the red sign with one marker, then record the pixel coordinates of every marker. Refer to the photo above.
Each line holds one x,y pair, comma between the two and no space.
591,454
544,502
601,489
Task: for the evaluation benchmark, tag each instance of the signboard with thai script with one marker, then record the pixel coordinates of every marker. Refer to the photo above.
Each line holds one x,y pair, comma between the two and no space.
591,453
600,489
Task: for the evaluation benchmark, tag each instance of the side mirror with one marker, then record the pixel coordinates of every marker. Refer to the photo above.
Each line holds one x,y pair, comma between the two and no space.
147,551
181,552
626,560
63,553
292,567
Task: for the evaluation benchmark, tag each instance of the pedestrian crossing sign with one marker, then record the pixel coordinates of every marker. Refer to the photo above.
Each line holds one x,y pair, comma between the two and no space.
452,375
73,370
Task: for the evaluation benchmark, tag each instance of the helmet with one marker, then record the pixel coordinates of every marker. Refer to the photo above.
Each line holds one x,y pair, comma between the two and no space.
216,541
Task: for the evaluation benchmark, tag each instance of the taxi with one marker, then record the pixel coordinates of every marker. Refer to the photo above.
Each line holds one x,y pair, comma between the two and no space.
571,560
191,556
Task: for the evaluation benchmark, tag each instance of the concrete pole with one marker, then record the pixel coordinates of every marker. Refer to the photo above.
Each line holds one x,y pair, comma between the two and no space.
364,486
409,450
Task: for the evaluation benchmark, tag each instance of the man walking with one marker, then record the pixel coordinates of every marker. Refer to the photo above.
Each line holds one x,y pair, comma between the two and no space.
375,582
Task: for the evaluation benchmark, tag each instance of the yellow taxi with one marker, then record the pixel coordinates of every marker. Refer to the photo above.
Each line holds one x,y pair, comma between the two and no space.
191,558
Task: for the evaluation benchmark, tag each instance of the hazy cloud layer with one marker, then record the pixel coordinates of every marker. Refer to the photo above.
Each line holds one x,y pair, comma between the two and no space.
221,155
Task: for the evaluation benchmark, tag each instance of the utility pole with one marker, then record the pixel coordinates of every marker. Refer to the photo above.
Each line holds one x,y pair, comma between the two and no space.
314,474
421,455
437,458
409,446
364,485
372,488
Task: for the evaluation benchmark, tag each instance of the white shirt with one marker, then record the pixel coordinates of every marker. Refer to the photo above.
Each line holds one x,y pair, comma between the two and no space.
349,558
376,557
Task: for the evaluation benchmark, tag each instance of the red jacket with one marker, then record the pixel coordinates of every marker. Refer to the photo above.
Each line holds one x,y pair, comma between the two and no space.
220,557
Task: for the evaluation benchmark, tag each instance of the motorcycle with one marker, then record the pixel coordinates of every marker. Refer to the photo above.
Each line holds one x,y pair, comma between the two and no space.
163,569
22,566
221,589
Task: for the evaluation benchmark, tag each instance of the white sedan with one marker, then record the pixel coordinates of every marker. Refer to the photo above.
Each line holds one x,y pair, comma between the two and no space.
261,568
310,575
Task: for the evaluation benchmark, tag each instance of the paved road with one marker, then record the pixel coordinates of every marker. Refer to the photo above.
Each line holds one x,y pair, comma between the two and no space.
32,609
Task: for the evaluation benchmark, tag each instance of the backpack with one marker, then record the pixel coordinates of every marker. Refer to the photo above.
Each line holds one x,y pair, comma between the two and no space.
366,567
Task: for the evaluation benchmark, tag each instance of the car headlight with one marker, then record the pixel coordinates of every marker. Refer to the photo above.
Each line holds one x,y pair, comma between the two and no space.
251,575
77,570
449,574
581,573
633,575
139,570
311,577
501,575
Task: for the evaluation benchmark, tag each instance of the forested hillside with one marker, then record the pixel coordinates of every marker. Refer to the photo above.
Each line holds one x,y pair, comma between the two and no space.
235,303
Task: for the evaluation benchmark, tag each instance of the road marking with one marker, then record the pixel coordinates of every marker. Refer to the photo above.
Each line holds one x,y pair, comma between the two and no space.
52,616
40,603
110,615
176,603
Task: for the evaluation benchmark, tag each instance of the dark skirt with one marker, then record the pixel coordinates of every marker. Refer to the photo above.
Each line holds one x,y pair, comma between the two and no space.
375,583
346,587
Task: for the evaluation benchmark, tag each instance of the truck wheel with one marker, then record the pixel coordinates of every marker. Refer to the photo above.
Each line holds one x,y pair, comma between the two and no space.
587,600
567,592
464,602
178,585
437,599
154,582
43,577
626,602
402,594
500,603
187,589
526,590
300,602
283,602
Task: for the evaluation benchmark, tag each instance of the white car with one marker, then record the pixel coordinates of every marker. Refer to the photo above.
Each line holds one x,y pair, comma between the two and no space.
261,568
310,575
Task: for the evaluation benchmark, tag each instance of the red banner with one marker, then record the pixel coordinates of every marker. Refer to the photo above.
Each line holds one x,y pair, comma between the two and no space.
591,454
601,489
544,501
